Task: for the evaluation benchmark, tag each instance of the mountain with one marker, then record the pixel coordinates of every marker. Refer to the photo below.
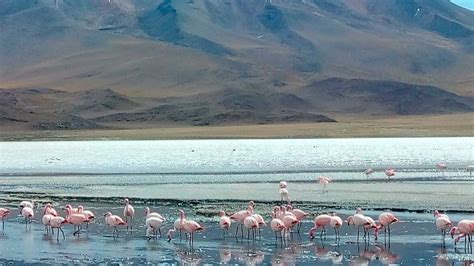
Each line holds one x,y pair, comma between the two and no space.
200,62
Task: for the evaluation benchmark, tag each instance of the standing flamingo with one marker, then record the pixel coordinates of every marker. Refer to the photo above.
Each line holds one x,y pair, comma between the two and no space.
75,219
277,226
284,195
57,222
48,209
149,214
90,215
470,169
4,213
154,223
390,172
441,167
368,172
128,211
324,181
288,218
224,222
361,220
28,214
320,222
46,222
385,220
179,223
240,217
251,223
191,227
442,223
336,223
114,221
300,215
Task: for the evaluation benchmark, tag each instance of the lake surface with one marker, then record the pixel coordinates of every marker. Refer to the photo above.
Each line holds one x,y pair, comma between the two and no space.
415,157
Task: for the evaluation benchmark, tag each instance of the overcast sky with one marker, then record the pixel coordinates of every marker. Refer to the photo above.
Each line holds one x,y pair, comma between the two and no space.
469,4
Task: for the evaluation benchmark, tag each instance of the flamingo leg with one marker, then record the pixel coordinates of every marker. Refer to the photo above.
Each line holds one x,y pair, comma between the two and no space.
358,230
131,224
237,230
3,226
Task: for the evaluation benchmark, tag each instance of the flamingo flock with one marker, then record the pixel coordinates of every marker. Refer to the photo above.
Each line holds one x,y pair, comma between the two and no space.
285,221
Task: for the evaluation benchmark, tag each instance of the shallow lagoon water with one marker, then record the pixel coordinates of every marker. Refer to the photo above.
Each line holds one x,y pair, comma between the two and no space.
414,241
221,169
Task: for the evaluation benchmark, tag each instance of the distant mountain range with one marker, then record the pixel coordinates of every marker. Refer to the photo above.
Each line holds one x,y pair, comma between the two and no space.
143,63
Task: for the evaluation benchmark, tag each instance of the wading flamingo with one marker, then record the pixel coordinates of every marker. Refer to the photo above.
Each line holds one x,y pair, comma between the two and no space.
390,172
4,213
154,223
48,209
128,211
179,223
75,219
299,214
470,169
385,220
368,172
443,223
324,181
191,227
149,214
336,223
240,216
465,228
360,220
277,226
224,222
441,167
90,215
321,221
28,214
114,221
251,223
288,218
46,222
284,195
260,221
57,222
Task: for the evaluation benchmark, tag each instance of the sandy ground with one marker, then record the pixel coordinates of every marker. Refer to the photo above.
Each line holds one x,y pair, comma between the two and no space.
400,126
414,241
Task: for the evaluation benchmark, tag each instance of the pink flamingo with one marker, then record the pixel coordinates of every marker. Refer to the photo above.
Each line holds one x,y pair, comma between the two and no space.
154,223
277,226
465,228
149,214
28,214
114,221
25,203
360,220
336,223
368,172
441,167
320,222
191,227
251,223
179,223
57,222
288,218
128,211
46,222
260,221
390,172
240,217
90,215
4,213
48,209
443,223
385,220
284,195
76,219
300,215
324,181
224,222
